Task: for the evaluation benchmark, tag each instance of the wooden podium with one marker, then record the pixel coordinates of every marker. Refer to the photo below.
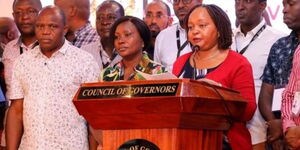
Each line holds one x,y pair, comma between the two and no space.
175,114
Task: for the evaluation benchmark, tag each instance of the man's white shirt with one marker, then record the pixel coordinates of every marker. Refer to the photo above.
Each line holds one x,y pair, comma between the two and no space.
257,54
166,49
47,87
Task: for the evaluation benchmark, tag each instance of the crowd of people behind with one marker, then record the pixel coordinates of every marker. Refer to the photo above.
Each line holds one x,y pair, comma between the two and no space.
58,49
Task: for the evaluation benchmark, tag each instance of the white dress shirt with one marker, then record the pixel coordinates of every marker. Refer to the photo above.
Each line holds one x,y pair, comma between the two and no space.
257,54
47,87
165,51
10,54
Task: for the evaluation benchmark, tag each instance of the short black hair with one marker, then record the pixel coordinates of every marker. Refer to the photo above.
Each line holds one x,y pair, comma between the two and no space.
121,8
167,7
221,22
140,25
59,11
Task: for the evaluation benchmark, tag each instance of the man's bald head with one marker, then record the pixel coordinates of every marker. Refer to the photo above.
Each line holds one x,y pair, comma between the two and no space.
160,2
82,7
35,3
112,3
54,10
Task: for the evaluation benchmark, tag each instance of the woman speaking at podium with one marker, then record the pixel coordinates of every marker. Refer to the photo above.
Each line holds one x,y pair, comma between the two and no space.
130,37
209,31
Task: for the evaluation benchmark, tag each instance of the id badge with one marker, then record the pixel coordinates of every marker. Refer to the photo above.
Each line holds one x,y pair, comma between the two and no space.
296,104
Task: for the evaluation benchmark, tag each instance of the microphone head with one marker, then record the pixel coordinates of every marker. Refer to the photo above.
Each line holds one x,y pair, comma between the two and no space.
195,48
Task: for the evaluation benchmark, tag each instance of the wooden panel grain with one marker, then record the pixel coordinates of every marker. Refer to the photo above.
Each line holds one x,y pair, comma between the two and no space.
166,139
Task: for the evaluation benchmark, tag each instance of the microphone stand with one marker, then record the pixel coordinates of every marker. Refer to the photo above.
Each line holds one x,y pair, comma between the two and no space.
195,49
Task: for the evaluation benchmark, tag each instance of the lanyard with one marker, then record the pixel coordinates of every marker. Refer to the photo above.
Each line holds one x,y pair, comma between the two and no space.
104,65
33,46
253,38
180,47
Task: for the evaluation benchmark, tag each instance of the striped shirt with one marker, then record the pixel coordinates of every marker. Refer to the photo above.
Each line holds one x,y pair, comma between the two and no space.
288,119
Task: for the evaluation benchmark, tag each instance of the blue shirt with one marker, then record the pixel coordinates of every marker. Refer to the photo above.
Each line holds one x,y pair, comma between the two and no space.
279,64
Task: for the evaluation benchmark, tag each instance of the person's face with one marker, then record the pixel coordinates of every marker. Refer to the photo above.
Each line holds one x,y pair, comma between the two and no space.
25,15
106,16
182,7
202,30
50,31
291,15
157,18
128,41
249,11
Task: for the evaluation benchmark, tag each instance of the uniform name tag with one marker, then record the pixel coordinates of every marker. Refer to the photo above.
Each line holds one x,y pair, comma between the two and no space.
296,104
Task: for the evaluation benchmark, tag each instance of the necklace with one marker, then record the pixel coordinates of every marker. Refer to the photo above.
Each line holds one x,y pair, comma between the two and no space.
197,55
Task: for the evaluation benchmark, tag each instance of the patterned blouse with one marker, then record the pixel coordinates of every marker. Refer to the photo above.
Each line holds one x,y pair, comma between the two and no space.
146,65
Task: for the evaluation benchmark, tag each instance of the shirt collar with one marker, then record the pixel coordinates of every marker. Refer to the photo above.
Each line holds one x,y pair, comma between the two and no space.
83,29
62,50
293,37
254,30
20,43
180,28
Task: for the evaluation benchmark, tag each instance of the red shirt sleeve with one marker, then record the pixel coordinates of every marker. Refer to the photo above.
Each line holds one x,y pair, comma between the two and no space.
236,73
244,83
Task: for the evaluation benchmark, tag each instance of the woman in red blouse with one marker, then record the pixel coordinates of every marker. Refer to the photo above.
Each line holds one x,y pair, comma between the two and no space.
209,32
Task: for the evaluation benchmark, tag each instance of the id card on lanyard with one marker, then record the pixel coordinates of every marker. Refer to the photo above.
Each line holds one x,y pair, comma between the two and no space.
253,38
296,104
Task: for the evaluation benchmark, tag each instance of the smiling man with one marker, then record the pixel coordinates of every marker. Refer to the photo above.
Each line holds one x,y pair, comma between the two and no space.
45,79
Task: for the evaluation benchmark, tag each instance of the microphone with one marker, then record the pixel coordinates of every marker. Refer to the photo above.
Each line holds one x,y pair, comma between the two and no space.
195,48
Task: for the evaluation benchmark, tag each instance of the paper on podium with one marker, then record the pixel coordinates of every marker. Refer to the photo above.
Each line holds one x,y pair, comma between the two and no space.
157,76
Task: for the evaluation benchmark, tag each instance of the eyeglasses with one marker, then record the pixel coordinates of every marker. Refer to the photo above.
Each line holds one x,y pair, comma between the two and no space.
30,12
176,2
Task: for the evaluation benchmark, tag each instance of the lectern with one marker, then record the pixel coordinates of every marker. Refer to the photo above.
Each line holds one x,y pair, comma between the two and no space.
175,114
